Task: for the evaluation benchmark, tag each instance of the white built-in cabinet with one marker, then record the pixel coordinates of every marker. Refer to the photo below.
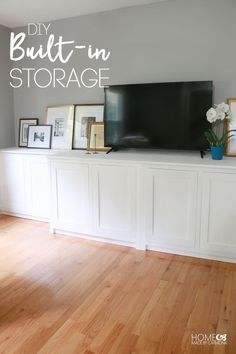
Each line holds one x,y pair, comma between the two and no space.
71,197
37,186
173,203
218,213
170,208
114,206
25,185
13,182
98,200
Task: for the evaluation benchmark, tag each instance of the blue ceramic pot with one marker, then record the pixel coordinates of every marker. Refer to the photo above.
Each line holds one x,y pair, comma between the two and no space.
217,152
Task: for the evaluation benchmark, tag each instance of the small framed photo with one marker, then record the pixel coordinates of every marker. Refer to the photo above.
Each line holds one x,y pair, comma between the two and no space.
40,136
96,137
62,119
231,125
23,130
85,114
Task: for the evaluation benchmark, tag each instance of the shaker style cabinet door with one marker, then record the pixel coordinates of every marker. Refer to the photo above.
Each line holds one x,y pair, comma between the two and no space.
13,197
114,202
170,208
218,213
70,197
37,180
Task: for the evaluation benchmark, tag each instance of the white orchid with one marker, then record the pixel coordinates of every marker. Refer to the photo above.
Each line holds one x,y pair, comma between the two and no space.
220,112
220,115
211,115
223,107
216,116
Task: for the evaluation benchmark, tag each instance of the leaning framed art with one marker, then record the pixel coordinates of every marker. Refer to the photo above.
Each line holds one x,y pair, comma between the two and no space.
40,136
62,119
231,125
85,114
96,137
23,130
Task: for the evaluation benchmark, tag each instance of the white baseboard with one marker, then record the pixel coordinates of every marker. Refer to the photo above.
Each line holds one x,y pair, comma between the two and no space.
25,216
191,253
149,247
59,232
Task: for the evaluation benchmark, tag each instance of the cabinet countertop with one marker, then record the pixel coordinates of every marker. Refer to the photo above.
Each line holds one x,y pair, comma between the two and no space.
183,158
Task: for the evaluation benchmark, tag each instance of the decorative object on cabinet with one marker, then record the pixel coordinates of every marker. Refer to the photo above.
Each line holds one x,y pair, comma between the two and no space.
84,114
231,125
40,136
216,136
23,130
62,119
96,137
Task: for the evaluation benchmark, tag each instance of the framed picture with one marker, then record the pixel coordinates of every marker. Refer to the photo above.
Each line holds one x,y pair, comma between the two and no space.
40,136
85,114
23,130
230,125
96,137
61,118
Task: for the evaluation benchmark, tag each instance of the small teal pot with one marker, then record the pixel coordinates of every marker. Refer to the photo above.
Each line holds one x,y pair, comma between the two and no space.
217,152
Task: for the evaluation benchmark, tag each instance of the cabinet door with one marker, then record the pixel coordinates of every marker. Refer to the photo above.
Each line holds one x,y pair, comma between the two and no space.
170,207
218,215
13,198
114,202
70,189
37,177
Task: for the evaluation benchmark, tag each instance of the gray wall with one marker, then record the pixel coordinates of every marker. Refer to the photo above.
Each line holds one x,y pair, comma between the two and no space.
169,41
6,93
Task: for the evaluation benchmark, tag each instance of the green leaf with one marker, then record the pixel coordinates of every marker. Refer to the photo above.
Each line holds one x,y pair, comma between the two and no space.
214,140
213,137
223,139
208,138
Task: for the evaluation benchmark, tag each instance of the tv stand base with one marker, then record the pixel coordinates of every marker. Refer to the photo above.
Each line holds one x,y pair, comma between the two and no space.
202,153
110,150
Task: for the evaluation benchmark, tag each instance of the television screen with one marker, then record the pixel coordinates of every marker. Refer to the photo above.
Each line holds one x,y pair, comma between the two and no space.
158,115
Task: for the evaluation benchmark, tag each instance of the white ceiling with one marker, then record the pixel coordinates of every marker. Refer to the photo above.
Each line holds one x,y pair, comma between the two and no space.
15,13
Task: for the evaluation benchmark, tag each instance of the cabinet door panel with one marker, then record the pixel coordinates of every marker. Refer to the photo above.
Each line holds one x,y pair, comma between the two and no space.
13,184
114,202
218,219
38,186
71,197
171,207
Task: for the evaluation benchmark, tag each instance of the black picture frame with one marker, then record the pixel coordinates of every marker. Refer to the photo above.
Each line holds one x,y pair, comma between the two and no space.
23,135
41,144
96,118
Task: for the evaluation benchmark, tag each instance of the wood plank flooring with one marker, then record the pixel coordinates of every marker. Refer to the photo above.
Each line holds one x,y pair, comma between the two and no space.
62,295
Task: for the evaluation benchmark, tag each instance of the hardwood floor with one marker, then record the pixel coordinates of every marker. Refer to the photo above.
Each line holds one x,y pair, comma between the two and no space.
61,295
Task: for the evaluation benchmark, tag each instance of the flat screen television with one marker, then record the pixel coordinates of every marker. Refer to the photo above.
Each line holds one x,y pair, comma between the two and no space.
158,115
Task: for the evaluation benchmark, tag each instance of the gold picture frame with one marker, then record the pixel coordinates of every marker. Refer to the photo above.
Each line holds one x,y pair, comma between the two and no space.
230,125
96,137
